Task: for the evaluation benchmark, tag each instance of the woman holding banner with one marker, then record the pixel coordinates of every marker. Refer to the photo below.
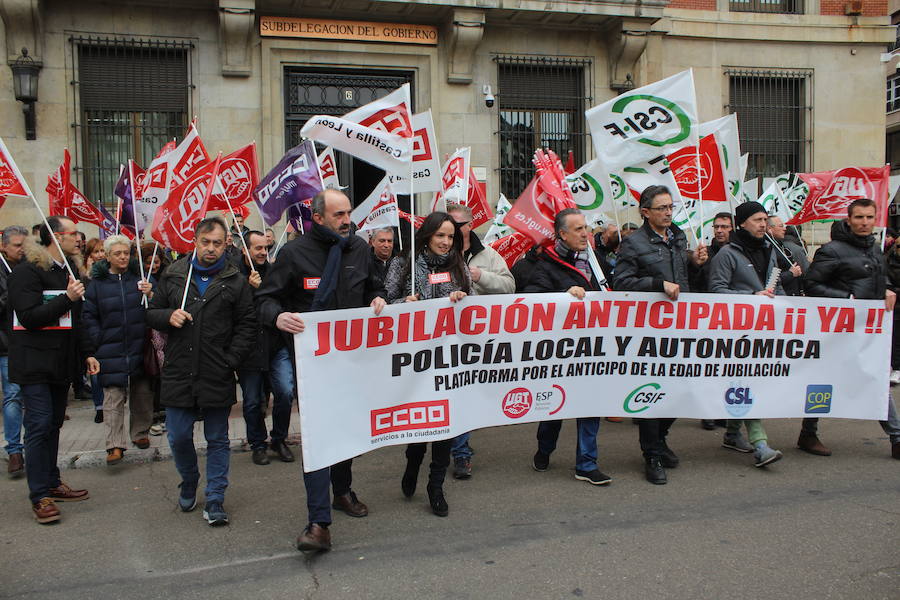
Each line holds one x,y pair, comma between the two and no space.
440,272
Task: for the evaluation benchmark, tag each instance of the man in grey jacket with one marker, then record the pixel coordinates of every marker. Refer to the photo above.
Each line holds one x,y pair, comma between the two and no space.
745,266
490,275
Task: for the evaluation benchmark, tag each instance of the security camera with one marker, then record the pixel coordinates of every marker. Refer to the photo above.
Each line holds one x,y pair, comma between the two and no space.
488,96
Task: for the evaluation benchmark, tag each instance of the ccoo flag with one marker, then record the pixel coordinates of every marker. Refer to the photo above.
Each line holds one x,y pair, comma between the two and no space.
295,178
641,124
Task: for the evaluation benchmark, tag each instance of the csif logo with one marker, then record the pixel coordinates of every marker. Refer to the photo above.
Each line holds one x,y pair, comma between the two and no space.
586,191
818,399
738,400
643,397
652,118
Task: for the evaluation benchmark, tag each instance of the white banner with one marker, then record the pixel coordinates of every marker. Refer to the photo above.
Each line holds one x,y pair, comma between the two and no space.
432,370
426,164
376,147
378,210
655,119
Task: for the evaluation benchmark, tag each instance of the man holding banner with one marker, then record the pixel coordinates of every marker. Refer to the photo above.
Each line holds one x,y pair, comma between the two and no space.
326,269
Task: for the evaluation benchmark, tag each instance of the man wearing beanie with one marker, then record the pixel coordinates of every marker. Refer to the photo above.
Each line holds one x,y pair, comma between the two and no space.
744,266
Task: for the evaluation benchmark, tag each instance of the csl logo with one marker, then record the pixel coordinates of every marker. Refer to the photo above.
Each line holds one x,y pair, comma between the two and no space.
414,415
644,113
517,402
738,401
818,399
643,397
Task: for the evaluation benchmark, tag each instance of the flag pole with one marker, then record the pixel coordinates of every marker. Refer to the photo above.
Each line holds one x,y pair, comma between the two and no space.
243,244
119,201
412,230
5,264
187,284
137,228
699,190
152,259
283,234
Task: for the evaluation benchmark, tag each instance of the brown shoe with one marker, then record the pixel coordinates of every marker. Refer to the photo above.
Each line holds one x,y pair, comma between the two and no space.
809,442
64,493
895,450
16,466
350,504
142,443
45,511
615,419
314,538
114,456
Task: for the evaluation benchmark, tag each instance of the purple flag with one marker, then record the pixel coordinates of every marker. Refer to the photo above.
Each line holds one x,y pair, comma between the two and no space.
295,178
123,191
300,216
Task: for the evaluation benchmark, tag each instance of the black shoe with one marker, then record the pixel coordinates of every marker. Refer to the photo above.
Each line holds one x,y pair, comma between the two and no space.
721,423
541,461
98,416
437,501
654,471
260,456
668,459
284,453
410,476
707,424
595,477
462,468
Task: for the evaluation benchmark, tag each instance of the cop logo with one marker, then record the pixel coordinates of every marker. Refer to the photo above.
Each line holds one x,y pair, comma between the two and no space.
818,399
738,401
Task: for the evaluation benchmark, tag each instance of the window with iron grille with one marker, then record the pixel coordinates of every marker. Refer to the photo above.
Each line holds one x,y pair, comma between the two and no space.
541,103
789,7
133,96
774,109
893,93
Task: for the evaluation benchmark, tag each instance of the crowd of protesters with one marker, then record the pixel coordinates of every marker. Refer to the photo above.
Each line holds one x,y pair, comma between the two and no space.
170,338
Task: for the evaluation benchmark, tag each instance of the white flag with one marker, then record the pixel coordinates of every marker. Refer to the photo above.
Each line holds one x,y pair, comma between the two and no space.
497,229
454,180
641,124
592,191
328,169
378,210
774,202
725,131
426,165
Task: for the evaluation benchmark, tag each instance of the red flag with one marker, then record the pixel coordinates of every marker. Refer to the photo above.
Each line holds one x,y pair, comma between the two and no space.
9,178
512,247
175,220
570,163
547,194
477,202
58,187
405,215
80,209
238,177
830,192
711,177
2,201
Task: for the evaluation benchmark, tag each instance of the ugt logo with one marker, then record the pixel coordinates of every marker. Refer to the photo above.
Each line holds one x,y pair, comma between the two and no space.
643,113
818,399
738,401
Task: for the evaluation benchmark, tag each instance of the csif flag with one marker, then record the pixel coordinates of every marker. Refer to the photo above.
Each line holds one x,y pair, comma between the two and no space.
174,221
642,123
830,192
592,191
497,229
295,178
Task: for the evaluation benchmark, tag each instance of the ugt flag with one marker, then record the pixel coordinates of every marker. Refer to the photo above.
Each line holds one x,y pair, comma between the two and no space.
295,178
174,221
638,125
58,186
171,167
378,210
547,194
238,177
378,132
725,130
831,191
11,182
698,171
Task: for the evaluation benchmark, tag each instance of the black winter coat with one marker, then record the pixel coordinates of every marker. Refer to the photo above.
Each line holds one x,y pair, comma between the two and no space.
291,283
202,355
114,318
266,339
847,265
645,261
5,312
38,355
524,268
553,274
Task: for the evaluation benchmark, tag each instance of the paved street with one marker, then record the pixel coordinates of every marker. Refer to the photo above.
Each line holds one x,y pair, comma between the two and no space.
808,527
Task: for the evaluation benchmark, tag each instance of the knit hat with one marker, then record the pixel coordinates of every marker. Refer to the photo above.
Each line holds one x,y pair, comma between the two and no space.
746,210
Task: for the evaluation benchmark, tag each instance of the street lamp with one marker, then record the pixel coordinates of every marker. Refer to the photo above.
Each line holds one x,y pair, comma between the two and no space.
25,84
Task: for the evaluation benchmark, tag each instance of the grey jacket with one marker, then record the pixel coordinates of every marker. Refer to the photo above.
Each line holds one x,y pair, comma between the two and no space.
732,272
645,261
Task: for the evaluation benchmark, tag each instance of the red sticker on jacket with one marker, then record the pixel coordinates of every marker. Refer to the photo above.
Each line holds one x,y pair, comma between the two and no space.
311,283
434,278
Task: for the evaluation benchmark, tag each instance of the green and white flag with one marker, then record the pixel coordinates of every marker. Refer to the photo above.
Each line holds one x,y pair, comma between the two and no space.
592,192
648,121
497,229
774,202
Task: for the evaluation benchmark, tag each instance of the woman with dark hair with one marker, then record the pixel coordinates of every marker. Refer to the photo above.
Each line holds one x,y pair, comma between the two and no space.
440,272
93,253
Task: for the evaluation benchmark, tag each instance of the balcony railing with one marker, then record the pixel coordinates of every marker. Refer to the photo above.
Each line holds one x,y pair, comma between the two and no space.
789,7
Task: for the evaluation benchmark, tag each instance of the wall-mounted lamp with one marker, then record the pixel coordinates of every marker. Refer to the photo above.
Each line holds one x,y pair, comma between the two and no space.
25,84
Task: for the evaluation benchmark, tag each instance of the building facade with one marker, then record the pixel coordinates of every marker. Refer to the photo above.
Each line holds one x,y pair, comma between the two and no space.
117,80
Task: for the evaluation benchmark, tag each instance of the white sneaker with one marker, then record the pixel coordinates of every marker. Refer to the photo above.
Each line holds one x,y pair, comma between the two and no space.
895,378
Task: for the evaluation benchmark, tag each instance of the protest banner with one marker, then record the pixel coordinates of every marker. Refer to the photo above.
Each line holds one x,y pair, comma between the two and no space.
442,369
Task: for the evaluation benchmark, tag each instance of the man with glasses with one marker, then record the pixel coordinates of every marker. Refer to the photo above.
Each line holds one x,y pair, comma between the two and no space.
655,258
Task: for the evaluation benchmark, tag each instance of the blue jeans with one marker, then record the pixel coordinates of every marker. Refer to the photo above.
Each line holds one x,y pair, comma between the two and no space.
180,425
45,411
12,410
585,451
460,446
253,390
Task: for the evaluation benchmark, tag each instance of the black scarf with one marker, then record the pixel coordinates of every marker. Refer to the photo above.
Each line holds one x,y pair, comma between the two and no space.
331,273
756,250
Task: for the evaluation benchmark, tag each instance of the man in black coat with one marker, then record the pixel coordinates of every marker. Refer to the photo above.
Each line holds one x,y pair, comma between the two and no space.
328,268
47,345
12,246
655,258
851,265
255,376
566,268
382,243
208,340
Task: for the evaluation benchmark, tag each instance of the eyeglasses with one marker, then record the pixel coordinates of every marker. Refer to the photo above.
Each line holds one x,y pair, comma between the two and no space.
666,208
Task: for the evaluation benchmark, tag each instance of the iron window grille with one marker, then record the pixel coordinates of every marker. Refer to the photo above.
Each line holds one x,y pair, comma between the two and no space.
132,97
788,7
775,112
541,103
893,93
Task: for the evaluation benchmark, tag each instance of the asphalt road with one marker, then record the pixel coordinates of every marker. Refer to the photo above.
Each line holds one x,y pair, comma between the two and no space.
808,527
